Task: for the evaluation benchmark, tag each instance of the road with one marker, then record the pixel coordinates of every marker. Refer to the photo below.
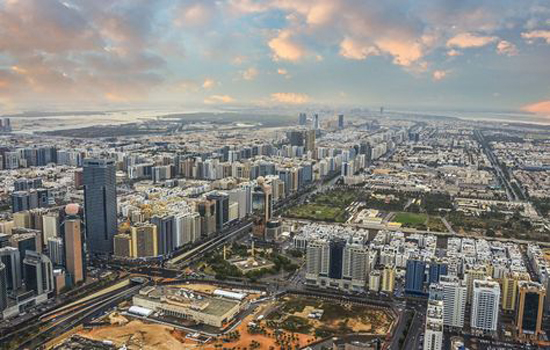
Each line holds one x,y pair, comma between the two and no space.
59,325
510,193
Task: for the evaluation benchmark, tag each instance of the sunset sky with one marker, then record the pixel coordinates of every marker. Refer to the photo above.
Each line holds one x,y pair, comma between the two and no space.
464,54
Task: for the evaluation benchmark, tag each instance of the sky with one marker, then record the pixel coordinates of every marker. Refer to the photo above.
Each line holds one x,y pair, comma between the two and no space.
422,54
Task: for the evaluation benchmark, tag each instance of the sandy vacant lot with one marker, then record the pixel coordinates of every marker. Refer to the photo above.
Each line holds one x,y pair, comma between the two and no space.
139,335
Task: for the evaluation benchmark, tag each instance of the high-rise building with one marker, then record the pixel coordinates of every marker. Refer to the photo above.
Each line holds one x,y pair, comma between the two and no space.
11,258
388,279
74,245
144,241
309,144
24,242
302,119
485,305
50,225
296,137
374,280
336,258
222,208
415,275
207,212
530,309
472,274
433,336
56,251
355,266
340,121
59,280
38,273
438,268
22,219
3,288
123,245
452,291
100,207
166,233
316,124
509,288
187,228
337,264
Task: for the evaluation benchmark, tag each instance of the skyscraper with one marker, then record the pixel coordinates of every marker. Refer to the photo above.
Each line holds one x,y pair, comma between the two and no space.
56,251
295,137
166,233
486,298
340,121
309,141
222,208
302,119
415,275
3,288
100,204
11,258
336,256
452,291
74,245
530,305
316,124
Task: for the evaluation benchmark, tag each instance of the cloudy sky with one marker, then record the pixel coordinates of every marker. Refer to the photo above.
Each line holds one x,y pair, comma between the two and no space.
463,54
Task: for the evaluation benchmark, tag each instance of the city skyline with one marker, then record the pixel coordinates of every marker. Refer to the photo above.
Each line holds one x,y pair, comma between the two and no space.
476,55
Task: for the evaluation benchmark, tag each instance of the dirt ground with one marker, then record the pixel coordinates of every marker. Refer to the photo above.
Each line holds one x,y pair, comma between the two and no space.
266,342
139,335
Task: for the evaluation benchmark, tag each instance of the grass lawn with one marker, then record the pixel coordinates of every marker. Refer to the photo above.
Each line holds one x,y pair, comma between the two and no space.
410,219
318,212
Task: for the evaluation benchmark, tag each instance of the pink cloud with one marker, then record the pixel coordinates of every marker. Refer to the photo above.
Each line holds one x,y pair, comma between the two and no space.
285,48
439,74
355,50
250,74
537,34
194,14
290,98
506,48
469,40
542,108
219,99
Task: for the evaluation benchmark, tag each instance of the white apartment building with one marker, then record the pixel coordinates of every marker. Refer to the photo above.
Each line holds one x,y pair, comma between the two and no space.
485,305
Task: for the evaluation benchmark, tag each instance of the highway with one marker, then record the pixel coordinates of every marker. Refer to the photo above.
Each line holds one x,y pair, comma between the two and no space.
213,243
512,196
63,322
